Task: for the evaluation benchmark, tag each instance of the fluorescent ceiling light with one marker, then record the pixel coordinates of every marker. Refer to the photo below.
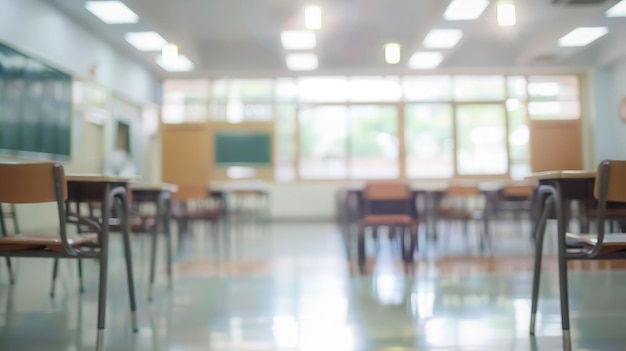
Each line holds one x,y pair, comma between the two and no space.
301,62
582,36
181,64
146,41
442,38
313,17
298,39
460,10
618,10
169,54
506,14
112,12
392,53
425,60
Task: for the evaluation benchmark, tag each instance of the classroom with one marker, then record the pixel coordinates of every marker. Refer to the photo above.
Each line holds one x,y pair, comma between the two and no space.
312,175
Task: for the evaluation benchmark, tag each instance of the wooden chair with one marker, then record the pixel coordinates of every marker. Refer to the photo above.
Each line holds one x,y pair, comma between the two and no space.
463,204
516,199
391,205
30,183
195,203
609,189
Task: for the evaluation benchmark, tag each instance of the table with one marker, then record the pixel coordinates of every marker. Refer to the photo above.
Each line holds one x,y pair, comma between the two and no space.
560,188
247,197
111,191
160,196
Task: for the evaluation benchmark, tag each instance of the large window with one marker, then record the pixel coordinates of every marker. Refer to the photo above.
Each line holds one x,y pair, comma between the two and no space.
385,127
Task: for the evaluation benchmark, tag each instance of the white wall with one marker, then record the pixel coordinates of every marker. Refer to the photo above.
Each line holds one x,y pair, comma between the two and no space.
609,86
41,31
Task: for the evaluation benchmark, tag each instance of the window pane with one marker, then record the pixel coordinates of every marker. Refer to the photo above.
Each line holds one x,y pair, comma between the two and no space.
373,142
251,90
519,136
429,141
286,89
366,89
516,87
479,88
553,88
323,142
323,89
285,151
427,88
185,100
481,139
554,110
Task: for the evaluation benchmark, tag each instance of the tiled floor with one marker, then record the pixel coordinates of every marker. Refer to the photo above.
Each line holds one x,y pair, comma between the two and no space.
290,287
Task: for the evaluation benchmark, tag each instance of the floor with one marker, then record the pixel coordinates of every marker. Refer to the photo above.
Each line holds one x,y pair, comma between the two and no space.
290,287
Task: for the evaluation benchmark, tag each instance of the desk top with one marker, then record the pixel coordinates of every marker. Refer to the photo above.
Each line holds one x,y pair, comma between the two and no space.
154,187
96,178
562,175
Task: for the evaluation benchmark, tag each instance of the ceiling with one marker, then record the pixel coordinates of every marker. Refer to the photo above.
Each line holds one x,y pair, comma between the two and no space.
241,38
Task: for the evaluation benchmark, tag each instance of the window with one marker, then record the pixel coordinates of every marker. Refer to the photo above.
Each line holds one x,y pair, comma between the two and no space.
479,88
323,142
481,139
553,97
429,141
373,142
427,88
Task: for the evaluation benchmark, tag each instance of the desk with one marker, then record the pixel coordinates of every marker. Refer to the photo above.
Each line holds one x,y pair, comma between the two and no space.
160,196
559,188
243,198
111,191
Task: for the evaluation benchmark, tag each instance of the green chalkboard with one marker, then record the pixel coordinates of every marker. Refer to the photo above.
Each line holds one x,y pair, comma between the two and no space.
35,107
243,149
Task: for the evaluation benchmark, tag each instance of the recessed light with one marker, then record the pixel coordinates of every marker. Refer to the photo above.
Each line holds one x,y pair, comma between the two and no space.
112,12
463,10
313,17
506,14
181,64
442,38
582,36
298,39
392,53
425,60
146,41
618,10
301,61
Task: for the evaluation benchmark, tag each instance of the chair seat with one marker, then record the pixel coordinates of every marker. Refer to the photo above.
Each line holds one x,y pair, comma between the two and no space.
197,214
459,214
387,219
609,213
611,243
43,242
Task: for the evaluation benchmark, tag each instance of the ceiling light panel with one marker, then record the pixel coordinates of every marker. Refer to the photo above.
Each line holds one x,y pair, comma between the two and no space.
146,41
301,61
442,38
618,10
298,39
506,14
582,36
313,17
181,64
465,10
425,60
392,53
112,12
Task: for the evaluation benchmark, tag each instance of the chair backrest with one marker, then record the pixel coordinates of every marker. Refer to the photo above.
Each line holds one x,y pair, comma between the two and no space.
518,191
381,191
460,191
611,179
388,198
23,183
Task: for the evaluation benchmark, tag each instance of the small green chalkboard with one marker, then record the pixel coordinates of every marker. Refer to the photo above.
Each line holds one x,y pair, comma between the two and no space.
243,149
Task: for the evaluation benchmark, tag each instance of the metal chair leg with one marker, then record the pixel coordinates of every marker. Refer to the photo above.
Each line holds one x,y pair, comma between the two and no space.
539,234
122,205
168,244
55,271
10,270
361,248
153,252
81,287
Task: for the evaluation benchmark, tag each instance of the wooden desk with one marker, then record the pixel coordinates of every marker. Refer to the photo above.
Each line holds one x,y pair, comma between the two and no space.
160,196
111,191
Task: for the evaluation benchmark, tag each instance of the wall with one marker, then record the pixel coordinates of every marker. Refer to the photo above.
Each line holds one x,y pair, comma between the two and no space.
609,86
41,31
